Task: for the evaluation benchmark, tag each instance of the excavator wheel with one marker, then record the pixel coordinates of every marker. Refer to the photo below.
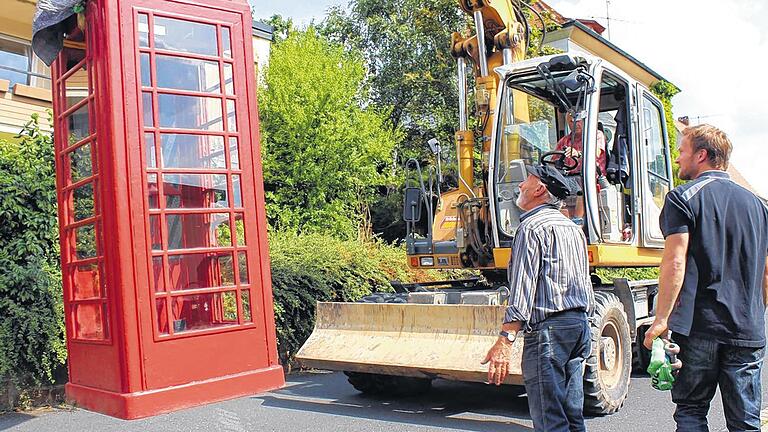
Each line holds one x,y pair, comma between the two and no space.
609,367
388,385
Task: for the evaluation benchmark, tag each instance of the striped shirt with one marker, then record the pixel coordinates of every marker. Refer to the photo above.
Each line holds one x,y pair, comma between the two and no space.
548,268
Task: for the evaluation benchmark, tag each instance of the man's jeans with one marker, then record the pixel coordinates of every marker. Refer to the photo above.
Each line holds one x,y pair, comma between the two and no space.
705,365
553,359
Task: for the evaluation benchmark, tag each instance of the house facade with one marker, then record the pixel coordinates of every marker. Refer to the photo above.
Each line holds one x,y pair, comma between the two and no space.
25,84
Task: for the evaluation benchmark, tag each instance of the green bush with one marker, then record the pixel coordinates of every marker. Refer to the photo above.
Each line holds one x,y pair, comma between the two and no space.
314,267
31,312
607,275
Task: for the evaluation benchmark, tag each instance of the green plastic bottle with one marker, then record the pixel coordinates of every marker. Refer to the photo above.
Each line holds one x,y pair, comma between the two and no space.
663,363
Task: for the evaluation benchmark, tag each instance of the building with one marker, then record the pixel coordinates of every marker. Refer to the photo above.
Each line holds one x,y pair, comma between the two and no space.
25,84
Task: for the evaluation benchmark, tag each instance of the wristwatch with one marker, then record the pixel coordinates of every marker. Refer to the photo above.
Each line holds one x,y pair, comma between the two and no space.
510,336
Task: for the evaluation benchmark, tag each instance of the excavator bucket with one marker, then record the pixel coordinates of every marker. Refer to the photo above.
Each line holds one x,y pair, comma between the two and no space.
406,339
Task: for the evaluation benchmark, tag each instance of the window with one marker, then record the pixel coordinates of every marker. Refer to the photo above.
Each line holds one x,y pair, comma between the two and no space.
19,66
656,160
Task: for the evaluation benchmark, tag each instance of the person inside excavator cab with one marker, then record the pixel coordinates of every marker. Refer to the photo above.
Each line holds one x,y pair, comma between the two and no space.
573,146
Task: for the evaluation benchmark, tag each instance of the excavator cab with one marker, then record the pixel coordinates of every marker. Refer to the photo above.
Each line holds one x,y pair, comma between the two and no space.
623,169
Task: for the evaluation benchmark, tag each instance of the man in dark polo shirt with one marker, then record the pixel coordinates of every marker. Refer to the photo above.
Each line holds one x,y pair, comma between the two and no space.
713,285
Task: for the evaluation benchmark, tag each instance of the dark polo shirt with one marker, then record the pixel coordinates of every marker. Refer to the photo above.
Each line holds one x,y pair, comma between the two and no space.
722,294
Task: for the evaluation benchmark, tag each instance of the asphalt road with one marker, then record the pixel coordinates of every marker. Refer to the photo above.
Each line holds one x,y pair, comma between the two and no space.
323,401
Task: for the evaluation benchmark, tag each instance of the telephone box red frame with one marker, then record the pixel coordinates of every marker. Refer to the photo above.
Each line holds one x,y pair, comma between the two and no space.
167,286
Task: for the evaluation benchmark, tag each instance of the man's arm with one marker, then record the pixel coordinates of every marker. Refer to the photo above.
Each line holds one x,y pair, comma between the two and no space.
765,283
671,275
523,275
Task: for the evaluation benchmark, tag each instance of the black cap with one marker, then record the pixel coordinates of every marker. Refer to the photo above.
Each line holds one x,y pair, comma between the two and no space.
555,182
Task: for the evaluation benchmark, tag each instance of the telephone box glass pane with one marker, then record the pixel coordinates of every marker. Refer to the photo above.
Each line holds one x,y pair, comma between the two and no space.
238,196
231,119
78,125
143,30
80,164
89,321
83,202
190,112
185,36
229,306
226,42
86,282
206,270
192,151
242,262
187,231
85,242
157,274
152,191
76,87
234,156
154,232
149,142
195,190
240,229
223,233
146,107
162,316
245,299
146,77
188,74
229,84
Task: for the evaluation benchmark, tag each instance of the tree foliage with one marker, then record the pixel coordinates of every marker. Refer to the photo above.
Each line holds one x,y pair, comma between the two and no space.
325,148
31,311
406,46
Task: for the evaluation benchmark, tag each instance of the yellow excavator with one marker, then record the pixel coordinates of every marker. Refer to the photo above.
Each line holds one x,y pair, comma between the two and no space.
397,343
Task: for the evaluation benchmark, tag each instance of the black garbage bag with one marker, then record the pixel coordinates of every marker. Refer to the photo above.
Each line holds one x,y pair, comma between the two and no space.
48,27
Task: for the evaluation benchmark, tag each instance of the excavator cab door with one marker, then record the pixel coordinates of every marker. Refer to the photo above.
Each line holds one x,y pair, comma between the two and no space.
655,166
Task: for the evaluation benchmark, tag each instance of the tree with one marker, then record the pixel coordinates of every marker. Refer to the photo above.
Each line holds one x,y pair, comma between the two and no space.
406,46
325,148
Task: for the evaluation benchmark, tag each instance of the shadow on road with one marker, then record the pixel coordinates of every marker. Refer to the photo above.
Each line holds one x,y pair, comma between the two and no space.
450,405
10,420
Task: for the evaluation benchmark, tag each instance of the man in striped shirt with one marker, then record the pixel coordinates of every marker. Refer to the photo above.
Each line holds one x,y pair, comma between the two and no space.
551,297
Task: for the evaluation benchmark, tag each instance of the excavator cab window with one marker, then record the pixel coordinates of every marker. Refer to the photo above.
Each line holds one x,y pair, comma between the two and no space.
527,130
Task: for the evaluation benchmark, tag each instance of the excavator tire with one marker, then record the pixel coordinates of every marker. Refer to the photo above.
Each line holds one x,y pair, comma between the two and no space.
641,356
388,385
608,369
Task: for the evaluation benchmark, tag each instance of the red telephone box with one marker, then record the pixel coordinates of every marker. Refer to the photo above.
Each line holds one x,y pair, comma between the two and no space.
167,288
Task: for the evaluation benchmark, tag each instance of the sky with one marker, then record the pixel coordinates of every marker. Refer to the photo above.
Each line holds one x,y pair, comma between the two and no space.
715,51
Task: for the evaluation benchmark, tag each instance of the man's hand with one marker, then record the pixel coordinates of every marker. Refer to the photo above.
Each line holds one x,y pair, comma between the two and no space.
658,328
572,152
498,361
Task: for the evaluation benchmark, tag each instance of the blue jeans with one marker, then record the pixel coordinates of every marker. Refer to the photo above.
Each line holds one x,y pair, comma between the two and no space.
707,364
553,361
